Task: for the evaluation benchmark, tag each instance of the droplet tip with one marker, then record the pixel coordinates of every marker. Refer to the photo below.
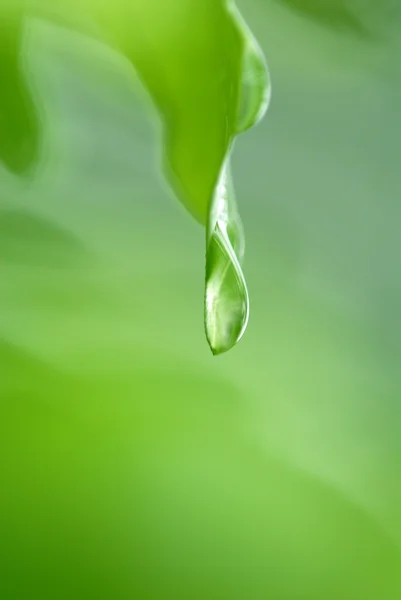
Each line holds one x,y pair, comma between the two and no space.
218,350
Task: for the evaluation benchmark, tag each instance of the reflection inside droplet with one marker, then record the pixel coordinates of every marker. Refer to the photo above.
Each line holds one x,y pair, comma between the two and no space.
226,294
255,88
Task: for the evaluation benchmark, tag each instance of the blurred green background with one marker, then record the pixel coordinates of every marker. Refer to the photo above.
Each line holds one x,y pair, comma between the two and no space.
133,463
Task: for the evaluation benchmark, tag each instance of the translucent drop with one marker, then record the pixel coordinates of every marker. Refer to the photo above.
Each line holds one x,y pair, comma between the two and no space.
226,295
255,88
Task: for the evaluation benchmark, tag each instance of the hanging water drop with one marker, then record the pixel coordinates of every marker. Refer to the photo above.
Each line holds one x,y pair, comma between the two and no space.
226,294
255,88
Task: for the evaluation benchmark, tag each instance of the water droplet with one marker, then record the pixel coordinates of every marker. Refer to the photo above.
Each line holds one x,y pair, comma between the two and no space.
226,294
255,87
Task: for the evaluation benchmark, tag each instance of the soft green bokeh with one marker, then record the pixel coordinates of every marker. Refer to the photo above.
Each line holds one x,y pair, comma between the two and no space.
134,465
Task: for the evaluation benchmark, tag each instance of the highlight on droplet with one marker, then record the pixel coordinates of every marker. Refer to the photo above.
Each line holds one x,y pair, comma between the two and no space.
226,294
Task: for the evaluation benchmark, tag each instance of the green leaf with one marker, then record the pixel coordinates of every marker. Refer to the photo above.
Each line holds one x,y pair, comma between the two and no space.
208,81
339,14
29,240
19,122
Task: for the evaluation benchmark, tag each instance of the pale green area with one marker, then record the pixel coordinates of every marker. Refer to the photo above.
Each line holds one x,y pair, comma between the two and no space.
134,464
